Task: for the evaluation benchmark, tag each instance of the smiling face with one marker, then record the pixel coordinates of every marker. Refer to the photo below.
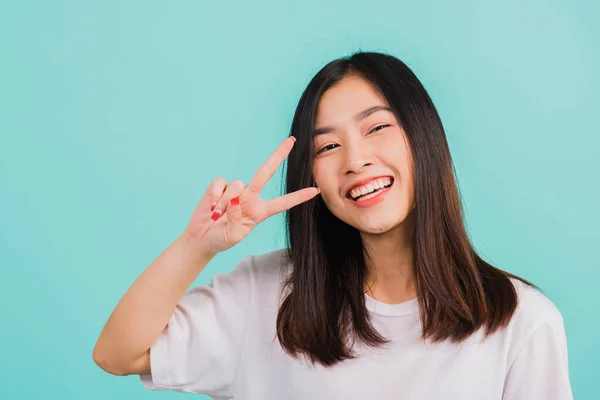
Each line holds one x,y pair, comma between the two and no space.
363,163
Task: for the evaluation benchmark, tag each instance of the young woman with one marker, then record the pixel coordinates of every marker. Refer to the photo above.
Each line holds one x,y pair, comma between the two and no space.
380,294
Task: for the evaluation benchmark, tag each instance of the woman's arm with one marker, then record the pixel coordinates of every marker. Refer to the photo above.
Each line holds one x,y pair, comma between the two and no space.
225,215
145,309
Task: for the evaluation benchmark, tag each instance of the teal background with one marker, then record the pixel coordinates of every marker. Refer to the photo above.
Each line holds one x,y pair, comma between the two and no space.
115,116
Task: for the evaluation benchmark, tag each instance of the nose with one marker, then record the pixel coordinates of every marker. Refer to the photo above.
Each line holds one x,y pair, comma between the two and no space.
357,157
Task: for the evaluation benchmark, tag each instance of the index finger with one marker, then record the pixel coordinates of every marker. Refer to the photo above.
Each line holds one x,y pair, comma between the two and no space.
268,168
287,201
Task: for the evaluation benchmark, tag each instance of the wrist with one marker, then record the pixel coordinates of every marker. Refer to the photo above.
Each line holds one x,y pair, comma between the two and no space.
195,247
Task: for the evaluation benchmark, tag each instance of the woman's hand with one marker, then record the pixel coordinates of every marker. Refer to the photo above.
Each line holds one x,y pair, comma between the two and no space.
227,213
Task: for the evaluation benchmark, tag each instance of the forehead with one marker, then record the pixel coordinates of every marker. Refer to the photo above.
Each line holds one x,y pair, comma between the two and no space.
345,99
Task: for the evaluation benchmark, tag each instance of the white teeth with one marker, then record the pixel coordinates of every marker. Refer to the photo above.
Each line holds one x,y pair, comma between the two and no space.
370,187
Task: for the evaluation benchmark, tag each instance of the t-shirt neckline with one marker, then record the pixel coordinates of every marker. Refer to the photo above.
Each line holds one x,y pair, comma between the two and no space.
408,307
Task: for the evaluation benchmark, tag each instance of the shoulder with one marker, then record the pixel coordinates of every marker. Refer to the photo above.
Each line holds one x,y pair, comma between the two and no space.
274,259
266,269
534,307
269,264
535,313
537,365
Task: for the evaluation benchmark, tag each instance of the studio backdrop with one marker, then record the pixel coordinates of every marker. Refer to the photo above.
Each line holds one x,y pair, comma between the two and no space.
116,115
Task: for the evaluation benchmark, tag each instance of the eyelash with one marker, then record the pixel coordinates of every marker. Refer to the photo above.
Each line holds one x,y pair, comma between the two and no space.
375,129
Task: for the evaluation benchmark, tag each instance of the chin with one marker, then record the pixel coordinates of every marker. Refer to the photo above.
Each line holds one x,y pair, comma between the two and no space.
377,227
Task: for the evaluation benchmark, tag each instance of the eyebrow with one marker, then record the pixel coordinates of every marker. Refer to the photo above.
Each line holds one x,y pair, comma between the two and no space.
359,117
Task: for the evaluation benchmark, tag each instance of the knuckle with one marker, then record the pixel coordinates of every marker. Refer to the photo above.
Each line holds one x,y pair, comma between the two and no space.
217,186
237,184
270,168
253,187
285,202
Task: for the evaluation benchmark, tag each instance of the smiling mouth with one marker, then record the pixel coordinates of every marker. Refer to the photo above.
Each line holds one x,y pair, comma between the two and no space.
370,190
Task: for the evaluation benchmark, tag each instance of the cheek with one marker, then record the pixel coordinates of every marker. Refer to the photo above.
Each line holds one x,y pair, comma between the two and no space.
322,174
400,158
317,172
409,182
326,180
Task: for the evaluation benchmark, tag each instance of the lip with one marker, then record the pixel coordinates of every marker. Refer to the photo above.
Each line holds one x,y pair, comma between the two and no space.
363,181
373,200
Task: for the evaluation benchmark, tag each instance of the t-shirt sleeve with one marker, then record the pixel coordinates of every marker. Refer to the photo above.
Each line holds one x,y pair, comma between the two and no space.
199,349
540,370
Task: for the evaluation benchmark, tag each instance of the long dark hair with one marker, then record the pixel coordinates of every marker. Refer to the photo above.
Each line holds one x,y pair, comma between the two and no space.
458,292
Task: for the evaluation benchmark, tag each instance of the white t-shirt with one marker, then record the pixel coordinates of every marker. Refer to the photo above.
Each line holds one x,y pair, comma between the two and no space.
221,341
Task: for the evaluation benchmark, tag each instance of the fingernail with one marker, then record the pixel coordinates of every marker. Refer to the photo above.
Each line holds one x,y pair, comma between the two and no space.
293,138
235,201
212,207
216,216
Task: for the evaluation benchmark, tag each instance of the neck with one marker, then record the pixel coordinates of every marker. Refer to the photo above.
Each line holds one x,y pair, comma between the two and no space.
389,259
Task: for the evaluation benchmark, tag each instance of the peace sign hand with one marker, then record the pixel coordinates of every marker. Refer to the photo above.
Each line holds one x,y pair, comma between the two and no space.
227,213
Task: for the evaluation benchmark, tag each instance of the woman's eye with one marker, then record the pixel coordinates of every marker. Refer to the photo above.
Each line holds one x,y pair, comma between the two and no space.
328,147
334,145
379,127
